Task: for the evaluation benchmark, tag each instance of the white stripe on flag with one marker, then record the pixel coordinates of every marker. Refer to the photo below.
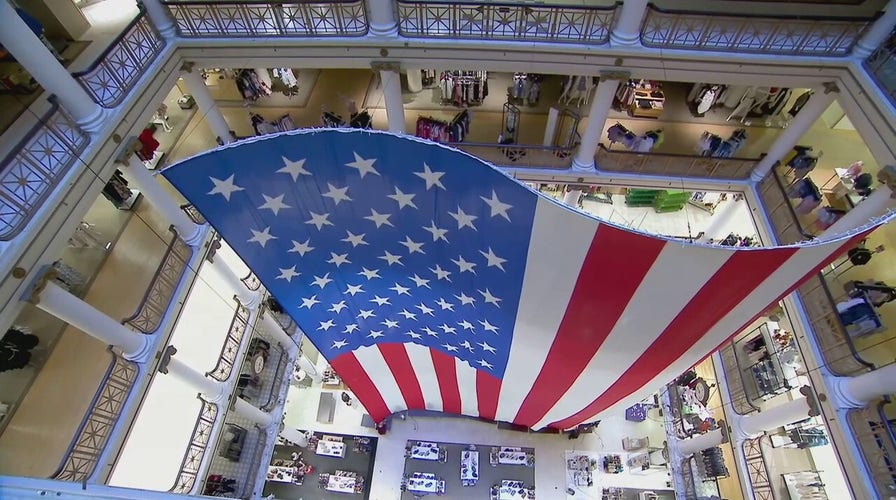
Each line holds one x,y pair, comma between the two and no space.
466,383
557,249
648,313
421,360
797,266
371,360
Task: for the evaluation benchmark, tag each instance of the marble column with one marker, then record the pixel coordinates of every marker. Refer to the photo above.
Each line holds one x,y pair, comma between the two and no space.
701,442
877,34
811,112
272,326
161,200
394,101
858,391
250,299
382,18
627,31
53,299
754,424
161,17
207,105
597,117
55,79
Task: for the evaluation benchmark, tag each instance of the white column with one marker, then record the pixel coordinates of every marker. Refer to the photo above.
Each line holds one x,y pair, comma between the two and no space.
250,299
701,442
415,80
721,218
875,205
597,117
161,17
391,82
55,300
571,197
858,391
207,106
627,30
777,416
273,327
31,53
258,416
162,201
877,34
381,18
810,113
308,367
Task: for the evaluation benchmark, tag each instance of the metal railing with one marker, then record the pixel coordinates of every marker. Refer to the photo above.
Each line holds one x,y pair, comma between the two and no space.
254,18
687,477
35,166
287,323
202,431
118,68
251,281
760,34
238,326
83,454
193,213
757,470
881,65
506,21
675,165
874,433
519,155
277,382
162,287
785,223
740,402
255,465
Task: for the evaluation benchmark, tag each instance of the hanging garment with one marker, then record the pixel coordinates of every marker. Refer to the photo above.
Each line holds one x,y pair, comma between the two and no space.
706,100
148,145
799,103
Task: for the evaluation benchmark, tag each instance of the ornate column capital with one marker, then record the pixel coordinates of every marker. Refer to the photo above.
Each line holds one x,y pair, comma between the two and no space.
187,66
392,66
615,75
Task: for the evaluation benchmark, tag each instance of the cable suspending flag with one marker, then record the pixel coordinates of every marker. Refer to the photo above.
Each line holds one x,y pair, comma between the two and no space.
431,280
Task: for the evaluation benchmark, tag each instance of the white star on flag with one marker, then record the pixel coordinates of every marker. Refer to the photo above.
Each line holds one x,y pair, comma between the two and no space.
466,344
319,220
354,239
288,273
488,326
407,314
338,307
375,334
370,273
337,194
378,218
400,289
465,299
486,347
322,281
339,259
390,324
493,260
412,246
485,364
449,347
489,298
273,204
339,344
350,328
448,329
366,313
262,237
445,304
413,335
466,325
441,273
363,166
464,265
403,199
353,289
380,301
391,259
309,302
424,309
436,232
429,331
431,178
326,325
497,206
463,219
420,281
294,168
224,187
301,248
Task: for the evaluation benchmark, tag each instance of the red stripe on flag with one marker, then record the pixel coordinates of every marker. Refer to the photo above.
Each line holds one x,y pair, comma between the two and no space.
396,356
727,288
616,263
446,374
487,390
355,377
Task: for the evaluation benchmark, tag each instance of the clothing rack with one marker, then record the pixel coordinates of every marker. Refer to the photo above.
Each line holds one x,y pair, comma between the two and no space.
525,89
252,84
264,127
710,144
463,88
441,131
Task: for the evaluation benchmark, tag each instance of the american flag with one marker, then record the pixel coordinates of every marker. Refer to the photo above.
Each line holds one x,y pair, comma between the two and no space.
430,280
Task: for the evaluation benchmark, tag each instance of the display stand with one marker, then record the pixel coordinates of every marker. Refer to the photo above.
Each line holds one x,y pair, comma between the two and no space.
130,202
153,163
567,137
762,364
706,201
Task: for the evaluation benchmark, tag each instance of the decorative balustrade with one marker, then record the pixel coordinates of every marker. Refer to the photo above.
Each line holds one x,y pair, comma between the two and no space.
34,168
81,459
202,431
506,21
162,287
518,155
251,281
782,35
193,213
118,69
252,18
784,221
673,165
757,470
687,477
740,402
881,65
277,381
238,326
873,430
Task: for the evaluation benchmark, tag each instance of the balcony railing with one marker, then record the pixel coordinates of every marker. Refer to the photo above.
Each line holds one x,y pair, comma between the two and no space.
34,168
874,433
251,281
757,470
506,21
161,290
238,326
740,402
781,35
81,459
674,165
118,69
785,223
189,468
881,65
253,18
518,155
193,213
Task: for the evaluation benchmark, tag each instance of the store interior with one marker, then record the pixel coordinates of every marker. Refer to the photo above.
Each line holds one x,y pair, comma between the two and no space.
122,234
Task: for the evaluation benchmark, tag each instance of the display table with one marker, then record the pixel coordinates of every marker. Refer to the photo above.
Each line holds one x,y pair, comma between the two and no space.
579,468
424,482
423,450
511,456
515,490
469,467
330,448
341,484
282,474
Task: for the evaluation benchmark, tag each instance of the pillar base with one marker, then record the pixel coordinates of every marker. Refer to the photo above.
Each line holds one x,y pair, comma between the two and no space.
251,300
757,176
583,167
740,434
195,237
383,31
143,353
624,39
95,122
840,395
